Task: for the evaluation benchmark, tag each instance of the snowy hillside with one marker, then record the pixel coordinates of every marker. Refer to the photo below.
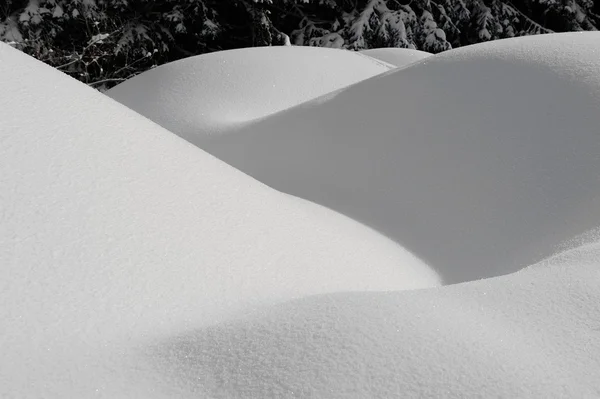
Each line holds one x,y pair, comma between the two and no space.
211,93
135,264
480,159
532,334
117,233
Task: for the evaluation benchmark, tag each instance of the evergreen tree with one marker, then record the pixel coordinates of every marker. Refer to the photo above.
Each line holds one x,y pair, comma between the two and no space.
103,42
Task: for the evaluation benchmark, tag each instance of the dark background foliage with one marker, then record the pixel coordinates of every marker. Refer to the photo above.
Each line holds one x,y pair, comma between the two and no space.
103,42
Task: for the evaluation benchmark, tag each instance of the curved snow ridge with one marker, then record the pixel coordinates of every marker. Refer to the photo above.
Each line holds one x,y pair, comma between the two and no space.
375,60
115,231
399,57
531,334
480,160
213,93
583,249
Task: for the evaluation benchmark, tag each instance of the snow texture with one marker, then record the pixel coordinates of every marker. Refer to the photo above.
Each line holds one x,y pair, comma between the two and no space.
399,57
116,233
212,93
133,264
532,334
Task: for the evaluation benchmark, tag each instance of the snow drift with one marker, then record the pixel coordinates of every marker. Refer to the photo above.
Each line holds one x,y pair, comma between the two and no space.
133,264
211,93
115,232
532,334
480,160
399,57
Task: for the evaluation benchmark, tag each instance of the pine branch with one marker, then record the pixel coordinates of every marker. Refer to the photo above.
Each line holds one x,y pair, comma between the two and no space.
531,21
439,7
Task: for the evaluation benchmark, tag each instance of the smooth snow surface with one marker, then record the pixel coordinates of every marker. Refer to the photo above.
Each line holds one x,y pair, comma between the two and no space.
135,265
116,233
212,93
533,334
398,57
480,160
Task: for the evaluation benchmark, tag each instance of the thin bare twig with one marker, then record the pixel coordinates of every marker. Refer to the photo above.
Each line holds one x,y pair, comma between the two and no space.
86,48
106,81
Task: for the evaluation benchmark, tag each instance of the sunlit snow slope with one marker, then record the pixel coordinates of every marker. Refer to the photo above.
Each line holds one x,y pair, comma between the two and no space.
398,57
116,234
480,159
534,334
212,93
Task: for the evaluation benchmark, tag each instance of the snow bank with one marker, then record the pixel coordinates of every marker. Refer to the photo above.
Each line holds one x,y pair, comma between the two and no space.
533,334
399,57
212,93
116,232
133,264
480,160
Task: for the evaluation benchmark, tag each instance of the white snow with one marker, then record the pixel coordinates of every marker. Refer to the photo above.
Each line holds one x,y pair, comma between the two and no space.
533,334
480,160
399,57
134,264
116,233
215,92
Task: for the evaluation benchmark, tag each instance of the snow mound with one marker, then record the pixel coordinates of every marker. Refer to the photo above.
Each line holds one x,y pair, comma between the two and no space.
115,231
399,57
133,264
480,160
533,334
211,93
